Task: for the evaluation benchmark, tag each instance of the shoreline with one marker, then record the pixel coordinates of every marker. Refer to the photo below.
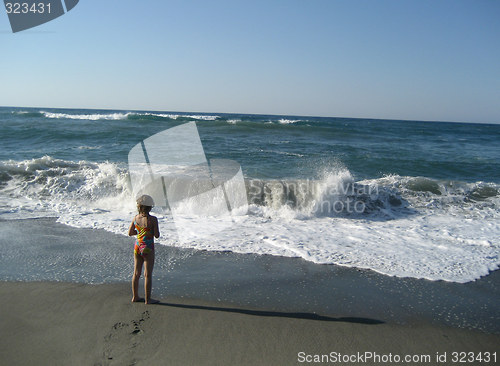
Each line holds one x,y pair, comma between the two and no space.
55,252
84,324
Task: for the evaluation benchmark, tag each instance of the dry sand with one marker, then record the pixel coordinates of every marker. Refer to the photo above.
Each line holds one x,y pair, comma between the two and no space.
76,324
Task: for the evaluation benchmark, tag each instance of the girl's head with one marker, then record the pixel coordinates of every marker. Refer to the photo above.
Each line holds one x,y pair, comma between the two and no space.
144,204
144,209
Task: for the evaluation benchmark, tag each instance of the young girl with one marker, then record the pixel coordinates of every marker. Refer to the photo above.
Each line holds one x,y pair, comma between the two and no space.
145,227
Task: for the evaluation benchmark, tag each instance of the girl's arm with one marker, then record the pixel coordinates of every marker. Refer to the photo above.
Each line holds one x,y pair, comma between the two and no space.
156,230
131,230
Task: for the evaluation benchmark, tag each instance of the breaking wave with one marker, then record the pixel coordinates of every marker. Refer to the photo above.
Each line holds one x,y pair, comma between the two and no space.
403,226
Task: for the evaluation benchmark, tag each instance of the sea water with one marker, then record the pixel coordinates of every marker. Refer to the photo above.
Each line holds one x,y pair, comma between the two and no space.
403,198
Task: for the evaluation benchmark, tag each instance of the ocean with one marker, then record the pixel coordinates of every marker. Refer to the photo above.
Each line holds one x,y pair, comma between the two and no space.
402,198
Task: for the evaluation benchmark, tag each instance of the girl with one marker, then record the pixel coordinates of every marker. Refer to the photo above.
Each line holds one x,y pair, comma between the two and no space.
145,227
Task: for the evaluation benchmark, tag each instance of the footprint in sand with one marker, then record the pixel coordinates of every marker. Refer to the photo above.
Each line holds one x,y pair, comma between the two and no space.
121,341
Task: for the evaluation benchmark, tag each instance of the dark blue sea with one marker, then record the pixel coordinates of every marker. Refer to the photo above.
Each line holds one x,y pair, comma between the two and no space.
427,192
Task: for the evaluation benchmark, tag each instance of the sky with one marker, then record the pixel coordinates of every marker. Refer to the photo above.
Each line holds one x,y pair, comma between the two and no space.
391,59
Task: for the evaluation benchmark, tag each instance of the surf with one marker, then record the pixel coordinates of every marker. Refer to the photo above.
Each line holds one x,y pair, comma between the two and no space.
408,226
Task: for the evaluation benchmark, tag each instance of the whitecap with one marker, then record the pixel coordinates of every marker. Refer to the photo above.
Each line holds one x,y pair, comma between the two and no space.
90,117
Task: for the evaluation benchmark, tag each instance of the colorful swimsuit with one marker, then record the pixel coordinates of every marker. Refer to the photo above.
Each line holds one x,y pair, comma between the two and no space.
145,241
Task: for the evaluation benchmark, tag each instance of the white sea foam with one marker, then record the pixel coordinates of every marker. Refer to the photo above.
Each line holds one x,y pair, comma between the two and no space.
407,230
163,115
285,121
91,117
176,116
120,116
202,117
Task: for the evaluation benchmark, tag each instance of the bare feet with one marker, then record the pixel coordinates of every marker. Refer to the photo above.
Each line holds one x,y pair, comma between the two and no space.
152,301
138,299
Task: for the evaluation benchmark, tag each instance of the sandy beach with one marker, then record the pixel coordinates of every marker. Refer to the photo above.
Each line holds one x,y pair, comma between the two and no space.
65,323
65,300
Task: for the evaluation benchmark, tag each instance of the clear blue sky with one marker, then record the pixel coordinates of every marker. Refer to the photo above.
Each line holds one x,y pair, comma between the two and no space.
398,59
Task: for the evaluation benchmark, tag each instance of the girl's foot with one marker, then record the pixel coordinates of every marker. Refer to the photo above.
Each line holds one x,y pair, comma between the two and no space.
152,301
137,299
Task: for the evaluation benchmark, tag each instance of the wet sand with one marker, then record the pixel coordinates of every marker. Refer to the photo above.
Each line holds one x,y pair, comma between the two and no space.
49,251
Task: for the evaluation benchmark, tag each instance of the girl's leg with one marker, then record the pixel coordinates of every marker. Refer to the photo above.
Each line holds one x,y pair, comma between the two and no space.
138,261
149,262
